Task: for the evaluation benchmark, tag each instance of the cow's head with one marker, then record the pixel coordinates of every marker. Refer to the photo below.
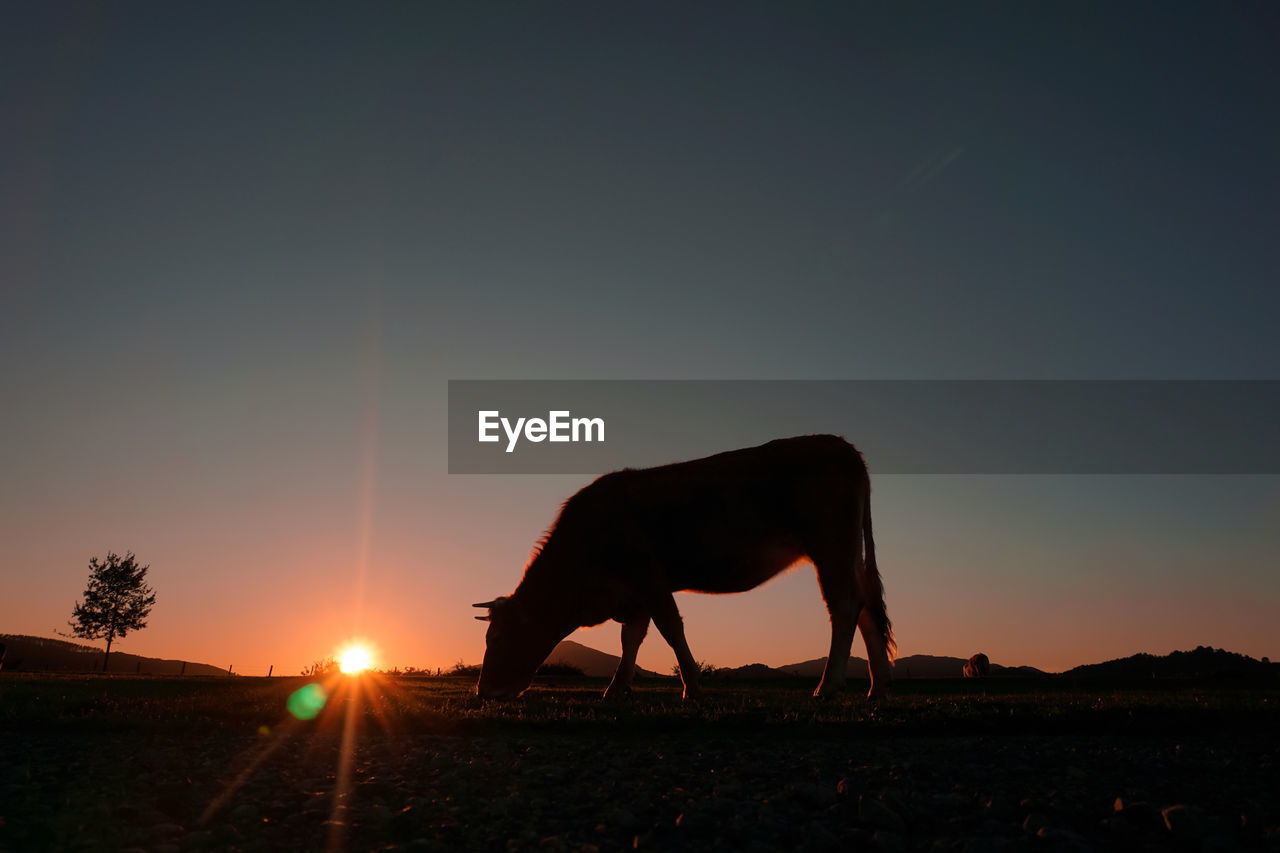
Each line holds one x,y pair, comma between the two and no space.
516,644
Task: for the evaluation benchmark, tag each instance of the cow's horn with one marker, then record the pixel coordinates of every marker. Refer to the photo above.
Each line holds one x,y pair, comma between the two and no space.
485,604
482,618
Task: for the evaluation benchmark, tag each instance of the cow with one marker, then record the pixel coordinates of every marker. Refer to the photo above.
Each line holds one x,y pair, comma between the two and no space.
726,523
978,666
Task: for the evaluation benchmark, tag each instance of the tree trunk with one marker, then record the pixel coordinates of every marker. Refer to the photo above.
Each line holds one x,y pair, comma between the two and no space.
107,656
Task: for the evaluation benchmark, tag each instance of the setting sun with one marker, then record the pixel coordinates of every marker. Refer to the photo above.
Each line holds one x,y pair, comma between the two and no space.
355,658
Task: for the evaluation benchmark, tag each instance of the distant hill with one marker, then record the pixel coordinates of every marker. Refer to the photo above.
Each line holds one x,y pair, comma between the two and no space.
1201,662
592,662
912,666
930,666
753,670
602,665
24,653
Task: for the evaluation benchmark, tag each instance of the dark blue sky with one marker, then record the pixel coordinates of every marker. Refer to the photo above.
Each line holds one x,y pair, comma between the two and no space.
242,248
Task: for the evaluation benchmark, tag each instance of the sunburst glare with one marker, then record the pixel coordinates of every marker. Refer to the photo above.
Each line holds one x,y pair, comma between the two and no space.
355,657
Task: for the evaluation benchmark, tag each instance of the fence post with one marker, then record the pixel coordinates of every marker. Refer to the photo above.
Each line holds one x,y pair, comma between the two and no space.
184,668
270,669
228,669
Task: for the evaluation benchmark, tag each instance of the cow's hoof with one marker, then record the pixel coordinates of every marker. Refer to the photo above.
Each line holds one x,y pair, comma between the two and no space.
617,694
692,695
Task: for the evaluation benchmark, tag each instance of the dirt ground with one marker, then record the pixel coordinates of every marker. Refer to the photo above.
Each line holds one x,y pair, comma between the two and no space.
217,764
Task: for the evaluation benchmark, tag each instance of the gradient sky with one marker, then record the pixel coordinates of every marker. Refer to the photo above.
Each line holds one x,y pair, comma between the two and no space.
243,248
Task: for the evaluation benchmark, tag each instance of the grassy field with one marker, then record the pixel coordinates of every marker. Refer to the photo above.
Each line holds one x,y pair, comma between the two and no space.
174,764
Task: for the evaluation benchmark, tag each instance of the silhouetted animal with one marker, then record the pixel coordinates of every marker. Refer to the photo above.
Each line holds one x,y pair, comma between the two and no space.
977,667
727,523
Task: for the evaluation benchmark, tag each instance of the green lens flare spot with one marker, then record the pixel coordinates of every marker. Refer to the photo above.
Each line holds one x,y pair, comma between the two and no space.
305,702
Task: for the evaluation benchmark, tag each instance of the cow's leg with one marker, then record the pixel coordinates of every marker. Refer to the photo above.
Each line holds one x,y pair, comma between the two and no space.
667,618
837,578
633,631
877,655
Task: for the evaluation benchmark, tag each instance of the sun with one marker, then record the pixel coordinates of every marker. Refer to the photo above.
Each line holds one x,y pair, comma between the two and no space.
355,657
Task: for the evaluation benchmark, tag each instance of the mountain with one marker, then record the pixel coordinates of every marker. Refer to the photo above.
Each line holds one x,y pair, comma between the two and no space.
1202,662
912,666
753,670
24,653
813,668
930,666
592,662
601,665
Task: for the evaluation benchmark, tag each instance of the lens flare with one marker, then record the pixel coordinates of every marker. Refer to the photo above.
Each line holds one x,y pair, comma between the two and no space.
305,702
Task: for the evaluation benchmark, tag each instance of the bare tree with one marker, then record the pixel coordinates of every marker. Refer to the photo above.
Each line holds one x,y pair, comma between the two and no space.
116,601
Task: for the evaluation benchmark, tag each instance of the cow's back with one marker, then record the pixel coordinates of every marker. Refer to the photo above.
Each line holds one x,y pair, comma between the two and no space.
725,523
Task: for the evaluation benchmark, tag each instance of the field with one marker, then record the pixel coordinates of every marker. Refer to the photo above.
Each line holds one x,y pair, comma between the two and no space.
90,763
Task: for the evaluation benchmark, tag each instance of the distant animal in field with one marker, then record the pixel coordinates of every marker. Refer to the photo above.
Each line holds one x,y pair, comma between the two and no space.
727,523
977,667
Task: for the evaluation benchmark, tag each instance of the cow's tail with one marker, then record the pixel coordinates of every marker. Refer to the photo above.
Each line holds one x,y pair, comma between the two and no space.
872,587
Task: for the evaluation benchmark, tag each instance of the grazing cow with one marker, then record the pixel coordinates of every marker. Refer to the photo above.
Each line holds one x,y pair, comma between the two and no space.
727,523
977,667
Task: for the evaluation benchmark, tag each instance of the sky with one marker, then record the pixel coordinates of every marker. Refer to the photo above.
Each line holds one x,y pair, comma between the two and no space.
244,248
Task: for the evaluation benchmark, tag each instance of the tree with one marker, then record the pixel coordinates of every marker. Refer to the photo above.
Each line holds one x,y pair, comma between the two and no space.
116,601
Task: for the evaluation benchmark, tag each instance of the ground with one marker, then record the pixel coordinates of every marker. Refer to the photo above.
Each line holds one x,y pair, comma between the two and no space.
89,763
